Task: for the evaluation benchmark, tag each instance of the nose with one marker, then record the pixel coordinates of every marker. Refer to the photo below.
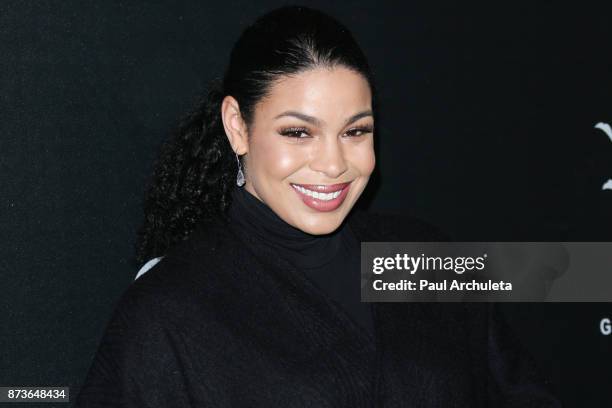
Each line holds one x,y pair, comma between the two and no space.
329,159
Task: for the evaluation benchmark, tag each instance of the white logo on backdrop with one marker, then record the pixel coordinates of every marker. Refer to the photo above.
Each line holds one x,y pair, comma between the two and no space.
604,127
605,326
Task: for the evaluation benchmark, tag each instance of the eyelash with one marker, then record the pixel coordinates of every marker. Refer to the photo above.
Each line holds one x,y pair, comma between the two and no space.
291,131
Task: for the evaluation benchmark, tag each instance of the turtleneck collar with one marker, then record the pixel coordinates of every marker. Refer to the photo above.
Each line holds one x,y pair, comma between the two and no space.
303,250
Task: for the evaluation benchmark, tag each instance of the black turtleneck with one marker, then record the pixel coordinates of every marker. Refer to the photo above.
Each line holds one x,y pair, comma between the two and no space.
330,261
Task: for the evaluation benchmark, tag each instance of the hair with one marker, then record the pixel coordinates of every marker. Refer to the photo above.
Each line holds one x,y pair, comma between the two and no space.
196,167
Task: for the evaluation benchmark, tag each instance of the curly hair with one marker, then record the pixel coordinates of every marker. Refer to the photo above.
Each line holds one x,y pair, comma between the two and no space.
196,167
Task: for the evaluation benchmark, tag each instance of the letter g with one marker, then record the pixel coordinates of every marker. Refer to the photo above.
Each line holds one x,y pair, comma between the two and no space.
377,269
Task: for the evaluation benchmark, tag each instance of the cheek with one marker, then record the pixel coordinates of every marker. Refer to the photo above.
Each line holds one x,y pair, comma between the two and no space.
276,160
371,162
365,160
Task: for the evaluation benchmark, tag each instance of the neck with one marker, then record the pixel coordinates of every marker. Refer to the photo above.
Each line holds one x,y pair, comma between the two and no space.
252,216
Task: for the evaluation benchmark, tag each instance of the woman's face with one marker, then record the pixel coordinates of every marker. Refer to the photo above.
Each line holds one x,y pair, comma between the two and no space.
310,150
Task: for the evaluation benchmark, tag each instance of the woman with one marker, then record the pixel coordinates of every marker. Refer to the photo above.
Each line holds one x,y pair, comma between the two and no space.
255,300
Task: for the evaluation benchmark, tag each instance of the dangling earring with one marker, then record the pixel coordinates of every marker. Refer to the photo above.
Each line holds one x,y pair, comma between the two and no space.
240,175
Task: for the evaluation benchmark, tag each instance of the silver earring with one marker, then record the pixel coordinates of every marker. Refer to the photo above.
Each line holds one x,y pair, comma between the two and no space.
240,175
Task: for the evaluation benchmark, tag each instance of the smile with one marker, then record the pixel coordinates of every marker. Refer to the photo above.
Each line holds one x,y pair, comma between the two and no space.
322,197
316,194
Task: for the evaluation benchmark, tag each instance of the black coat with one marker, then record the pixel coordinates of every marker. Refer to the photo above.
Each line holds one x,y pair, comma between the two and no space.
221,321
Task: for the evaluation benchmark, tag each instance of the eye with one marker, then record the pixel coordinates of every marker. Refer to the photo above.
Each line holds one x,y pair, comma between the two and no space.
360,131
294,132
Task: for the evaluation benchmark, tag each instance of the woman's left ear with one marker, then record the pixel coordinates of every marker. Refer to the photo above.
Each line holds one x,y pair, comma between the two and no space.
234,125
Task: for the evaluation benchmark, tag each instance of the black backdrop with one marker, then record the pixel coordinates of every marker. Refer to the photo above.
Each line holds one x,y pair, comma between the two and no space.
486,130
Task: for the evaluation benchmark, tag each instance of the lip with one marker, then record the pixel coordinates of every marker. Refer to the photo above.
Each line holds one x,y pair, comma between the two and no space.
322,205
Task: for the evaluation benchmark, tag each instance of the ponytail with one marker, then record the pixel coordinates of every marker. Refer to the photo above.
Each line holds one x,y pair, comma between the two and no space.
191,179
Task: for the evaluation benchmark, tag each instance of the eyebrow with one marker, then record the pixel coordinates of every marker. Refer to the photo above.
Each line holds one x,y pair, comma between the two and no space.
318,122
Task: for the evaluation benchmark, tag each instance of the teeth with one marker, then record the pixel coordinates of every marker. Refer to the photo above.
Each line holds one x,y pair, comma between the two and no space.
318,195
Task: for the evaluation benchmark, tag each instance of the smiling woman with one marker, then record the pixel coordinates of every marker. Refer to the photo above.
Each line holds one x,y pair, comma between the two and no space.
311,163
251,296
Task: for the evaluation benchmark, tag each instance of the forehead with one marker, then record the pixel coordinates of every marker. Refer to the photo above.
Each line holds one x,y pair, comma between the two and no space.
331,94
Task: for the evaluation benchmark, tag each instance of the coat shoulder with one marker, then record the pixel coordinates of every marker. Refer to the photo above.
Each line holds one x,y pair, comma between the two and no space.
188,276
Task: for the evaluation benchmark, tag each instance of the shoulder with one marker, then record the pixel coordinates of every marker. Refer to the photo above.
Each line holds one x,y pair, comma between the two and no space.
380,226
187,278
158,321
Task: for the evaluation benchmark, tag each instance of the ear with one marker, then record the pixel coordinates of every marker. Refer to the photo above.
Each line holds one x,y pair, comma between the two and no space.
235,127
